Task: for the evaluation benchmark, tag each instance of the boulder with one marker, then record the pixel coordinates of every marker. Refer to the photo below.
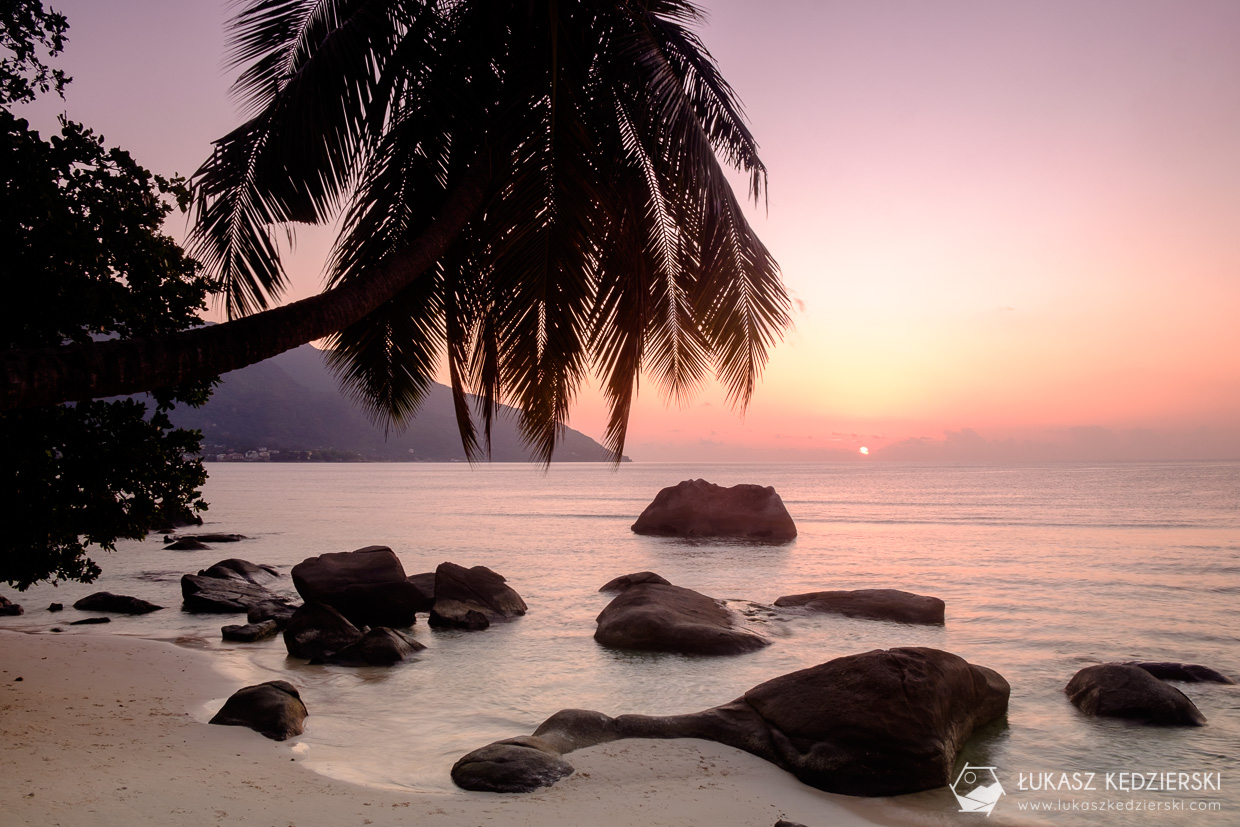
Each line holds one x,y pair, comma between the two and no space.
1184,672
250,632
515,765
206,538
90,621
368,586
187,545
873,604
116,603
425,584
697,508
472,598
235,569
53,607
881,723
9,609
274,709
650,616
316,630
380,646
229,586
220,595
277,609
622,582
1122,690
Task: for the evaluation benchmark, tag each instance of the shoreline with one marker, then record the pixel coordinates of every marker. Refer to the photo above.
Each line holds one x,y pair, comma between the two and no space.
111,730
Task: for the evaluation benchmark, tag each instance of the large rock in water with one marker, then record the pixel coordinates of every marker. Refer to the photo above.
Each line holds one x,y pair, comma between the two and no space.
117,603
1123,690
652,615
8,608
274,709
368,586
236,569
380,646
1184,672
472,598
316,631
873,604
697,508
229,586
885,722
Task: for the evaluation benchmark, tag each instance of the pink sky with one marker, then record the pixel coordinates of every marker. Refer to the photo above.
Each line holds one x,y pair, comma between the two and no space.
1012,230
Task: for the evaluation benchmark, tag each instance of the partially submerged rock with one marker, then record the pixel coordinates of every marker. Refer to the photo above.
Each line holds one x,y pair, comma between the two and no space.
215,595
697,508
885,722
229,586
273,709
116,603
216,537
279,610
1184,672
424,582
472,598
317,630
368,586
1122,690
514,765
9,609
235,569
250,632
380,646
653,616
622,582
873,604
187,544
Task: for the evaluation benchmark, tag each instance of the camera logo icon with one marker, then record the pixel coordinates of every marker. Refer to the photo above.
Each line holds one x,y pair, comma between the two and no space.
977,789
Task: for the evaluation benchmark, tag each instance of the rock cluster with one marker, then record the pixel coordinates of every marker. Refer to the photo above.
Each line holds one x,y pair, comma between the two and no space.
368,586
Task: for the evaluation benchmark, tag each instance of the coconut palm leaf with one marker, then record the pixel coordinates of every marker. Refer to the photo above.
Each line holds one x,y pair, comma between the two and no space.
609,238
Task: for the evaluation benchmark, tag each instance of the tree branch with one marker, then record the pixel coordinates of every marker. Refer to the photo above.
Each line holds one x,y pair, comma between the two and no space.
73,373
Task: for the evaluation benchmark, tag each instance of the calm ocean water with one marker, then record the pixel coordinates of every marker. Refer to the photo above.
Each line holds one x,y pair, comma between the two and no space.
1044,569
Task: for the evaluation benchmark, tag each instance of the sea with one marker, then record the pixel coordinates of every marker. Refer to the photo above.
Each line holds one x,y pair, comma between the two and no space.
1045,569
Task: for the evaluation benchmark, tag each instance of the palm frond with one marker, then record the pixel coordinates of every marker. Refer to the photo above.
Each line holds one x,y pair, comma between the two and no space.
610,237
317,84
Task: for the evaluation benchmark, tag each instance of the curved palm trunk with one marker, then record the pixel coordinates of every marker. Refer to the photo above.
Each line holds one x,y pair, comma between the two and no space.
48,376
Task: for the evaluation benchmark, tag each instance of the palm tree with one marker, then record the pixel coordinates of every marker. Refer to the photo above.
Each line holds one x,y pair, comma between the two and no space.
534,188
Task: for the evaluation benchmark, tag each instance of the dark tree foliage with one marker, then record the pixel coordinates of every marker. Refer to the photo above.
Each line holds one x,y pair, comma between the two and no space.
84,258
25,29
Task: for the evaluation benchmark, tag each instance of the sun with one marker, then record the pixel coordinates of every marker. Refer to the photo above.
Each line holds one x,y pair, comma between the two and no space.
864,450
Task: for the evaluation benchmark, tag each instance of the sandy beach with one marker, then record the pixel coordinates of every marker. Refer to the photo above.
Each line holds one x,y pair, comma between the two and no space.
111,730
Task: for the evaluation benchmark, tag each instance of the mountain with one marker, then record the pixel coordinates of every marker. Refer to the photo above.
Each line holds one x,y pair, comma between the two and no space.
292,404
